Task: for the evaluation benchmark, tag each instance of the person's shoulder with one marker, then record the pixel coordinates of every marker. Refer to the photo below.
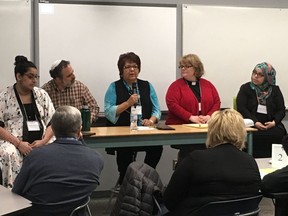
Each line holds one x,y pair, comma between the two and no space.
276,87
199,153
143,82
48,85
78,82
40,91
246,87
247,84
94,155
177,82
276,175
7,90
40,152
276,181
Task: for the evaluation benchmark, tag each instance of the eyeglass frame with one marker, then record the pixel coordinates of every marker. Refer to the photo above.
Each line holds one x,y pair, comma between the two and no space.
130,67
31,76
184,67
259,74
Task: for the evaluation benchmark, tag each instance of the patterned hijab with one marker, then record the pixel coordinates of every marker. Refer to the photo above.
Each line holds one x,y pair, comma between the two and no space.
264,90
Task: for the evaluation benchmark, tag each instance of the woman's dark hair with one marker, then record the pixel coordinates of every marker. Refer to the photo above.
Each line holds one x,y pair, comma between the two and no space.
128,57
22,65
56,72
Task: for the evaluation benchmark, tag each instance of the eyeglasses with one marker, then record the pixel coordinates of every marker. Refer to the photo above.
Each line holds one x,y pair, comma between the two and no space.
184,66
259,74
31,76
131,66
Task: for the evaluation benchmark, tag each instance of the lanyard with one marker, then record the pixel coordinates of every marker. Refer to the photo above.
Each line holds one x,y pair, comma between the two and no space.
23,110
130,91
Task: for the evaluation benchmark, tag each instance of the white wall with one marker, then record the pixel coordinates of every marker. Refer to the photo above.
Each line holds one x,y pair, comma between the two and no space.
232,40
15,37
93,36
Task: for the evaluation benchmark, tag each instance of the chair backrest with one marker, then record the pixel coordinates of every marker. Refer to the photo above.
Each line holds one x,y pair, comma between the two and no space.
236,207
136,192
81,207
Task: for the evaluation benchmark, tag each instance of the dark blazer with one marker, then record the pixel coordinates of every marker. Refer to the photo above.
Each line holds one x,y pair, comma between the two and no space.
219,173
275,182
247,104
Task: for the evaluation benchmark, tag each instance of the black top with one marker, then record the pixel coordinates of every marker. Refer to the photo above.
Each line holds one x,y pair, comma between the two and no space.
275,182
247,105
32,135
195,87
220,173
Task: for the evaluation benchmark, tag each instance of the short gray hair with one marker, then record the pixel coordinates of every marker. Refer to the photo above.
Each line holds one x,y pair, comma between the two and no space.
66,121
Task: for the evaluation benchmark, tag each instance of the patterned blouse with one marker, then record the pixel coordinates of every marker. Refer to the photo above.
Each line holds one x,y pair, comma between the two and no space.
10,113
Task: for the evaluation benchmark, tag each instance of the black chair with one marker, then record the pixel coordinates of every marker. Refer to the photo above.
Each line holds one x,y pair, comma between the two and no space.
280,201
81,207
236,207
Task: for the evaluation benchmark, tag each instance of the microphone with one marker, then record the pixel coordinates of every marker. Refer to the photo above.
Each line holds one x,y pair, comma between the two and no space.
134,88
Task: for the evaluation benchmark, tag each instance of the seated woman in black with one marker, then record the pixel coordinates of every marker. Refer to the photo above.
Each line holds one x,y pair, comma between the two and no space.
220,172
262,101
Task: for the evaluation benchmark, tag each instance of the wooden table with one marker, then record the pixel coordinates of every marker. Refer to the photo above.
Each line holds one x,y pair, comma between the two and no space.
123,137
11,203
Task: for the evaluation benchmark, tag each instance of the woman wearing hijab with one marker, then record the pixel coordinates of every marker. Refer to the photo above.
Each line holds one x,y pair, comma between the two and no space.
262,101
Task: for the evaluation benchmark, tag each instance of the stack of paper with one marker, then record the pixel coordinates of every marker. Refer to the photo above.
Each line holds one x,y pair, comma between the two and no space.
196,125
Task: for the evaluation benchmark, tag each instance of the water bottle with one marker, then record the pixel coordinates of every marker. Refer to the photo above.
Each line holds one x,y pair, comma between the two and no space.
86,118
133,121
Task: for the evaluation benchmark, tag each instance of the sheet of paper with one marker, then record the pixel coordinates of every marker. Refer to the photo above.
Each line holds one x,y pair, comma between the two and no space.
266,171
145,128
196,125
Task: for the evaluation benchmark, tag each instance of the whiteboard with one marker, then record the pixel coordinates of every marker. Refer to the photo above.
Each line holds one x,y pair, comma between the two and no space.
92,37
15,37
231,40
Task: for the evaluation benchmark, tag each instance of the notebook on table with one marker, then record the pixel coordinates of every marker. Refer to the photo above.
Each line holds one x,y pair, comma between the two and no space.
164,127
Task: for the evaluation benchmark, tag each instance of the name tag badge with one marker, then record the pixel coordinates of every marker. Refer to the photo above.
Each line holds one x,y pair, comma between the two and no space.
199,106
33,126
262,109
133,110
139,110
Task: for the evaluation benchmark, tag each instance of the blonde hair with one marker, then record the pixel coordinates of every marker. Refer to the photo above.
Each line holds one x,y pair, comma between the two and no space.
226,126
193,60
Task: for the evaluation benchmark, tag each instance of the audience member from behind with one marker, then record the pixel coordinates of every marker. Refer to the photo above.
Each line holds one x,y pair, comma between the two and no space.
25,115
64,89
121,98
262,101
191,99
220,172
277,181
60,176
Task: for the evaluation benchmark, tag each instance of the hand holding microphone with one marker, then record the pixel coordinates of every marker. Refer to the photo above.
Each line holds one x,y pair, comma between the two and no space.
134,88
133,100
